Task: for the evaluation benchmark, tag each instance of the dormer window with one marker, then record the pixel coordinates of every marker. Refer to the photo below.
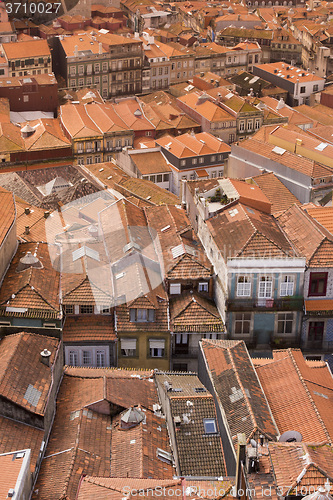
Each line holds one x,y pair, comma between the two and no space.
142,315
203,287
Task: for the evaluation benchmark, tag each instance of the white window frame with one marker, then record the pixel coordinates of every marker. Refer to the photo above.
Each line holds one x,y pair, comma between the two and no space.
244,286
287,286
154,350
265,288
203,286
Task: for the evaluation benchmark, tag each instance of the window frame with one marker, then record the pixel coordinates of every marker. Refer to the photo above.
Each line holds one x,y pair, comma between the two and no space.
207,422
313,280
285,283
241,285
282,319
267,280
242,318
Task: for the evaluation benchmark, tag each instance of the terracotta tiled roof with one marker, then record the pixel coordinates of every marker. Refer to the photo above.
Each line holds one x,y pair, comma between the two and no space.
174,232
238,388
33,48
112,488
291,160
86,437
254,233
277,193
7,212
34,219
150,163
207,109
301,465
17,436
86,328
32,288
289,382
10,470
22,370
323,215
186,145
198,454
310,239
194,313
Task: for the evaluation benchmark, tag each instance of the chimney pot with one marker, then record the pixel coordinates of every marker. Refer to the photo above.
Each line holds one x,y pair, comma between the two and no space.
46,214
45,357
27,211
27,230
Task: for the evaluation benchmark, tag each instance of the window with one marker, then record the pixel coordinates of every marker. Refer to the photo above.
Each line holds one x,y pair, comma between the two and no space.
257,124
159,178
242,323
86,358
213,158
182,163
265,287
104,309
156,348
128,347
152,178
97,68
316,332
203,287
165,177
73,358
315,88
220,173
194,161
302,90
249,125
175,288
141,315
100,358
241,126
287,286
69,309
201,159
318,284
81,70
211,336
243,286
285,323
86,309
209,425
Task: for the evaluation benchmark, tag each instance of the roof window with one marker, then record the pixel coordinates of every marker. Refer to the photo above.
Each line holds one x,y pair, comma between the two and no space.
210,425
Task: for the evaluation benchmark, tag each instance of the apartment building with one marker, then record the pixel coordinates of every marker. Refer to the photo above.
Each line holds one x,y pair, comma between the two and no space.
29,57
181,59
157,67
111,63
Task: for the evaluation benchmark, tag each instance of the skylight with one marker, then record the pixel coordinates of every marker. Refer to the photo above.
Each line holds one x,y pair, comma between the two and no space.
278,151
210,425
321,146
32,395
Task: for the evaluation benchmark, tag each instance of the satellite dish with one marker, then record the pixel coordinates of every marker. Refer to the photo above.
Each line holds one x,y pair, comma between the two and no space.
290,437
253,443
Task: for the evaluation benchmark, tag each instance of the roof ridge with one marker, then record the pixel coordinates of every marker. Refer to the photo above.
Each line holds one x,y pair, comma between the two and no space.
254,422
309,395
74,451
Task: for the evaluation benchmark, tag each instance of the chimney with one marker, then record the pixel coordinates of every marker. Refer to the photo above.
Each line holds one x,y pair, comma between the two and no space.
240,461
45,357
27,211
100,48
46,214
27,230
76,51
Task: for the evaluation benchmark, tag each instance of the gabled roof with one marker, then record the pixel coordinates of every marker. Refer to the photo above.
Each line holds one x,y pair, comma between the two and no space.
29,48
191,312
191,145
205,107
179,251
149,163
240,231
323,215
289,382
24,379
238,389
33,289
301,465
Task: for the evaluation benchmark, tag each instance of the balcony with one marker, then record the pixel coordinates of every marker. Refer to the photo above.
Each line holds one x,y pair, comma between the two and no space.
184,351
323,346
282,304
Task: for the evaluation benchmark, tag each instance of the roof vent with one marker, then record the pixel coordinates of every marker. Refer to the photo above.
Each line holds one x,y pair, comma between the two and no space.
290,437
27,131
27,211
131,418
45,357
137,113
27,261
10,493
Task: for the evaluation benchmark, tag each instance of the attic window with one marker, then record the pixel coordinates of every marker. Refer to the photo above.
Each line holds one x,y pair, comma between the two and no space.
200,389
165,456
321,146
210,425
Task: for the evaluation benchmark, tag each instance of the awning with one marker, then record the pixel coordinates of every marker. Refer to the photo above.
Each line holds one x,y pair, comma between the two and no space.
128,343
319,305
156,344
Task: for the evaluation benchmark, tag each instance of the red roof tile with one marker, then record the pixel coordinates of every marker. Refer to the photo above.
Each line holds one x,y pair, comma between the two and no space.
89,328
